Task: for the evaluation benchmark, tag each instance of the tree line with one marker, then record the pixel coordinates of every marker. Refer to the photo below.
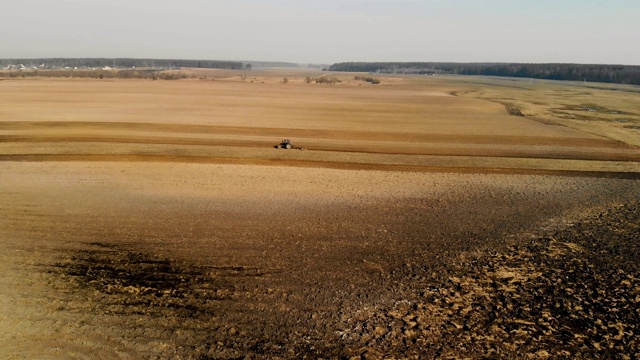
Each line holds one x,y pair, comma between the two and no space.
125,63
98,74
619,74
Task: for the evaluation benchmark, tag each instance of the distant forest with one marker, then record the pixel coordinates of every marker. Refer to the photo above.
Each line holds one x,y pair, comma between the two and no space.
125,63
619,74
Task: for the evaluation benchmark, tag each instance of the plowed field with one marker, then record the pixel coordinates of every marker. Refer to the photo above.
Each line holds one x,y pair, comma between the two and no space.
155,219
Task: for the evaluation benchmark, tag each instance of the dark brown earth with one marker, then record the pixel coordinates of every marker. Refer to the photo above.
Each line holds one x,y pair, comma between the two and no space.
364,264
571,293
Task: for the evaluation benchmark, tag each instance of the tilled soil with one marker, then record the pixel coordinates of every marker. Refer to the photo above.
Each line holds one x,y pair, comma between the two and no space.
572,293
154,220
139,261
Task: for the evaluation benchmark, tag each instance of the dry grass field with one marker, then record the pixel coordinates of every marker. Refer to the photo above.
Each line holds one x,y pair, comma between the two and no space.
427,217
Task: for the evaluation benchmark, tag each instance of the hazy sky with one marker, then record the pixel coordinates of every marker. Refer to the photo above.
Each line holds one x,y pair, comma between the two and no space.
326,31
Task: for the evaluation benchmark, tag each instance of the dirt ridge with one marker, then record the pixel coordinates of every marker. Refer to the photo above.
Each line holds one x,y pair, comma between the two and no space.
313,164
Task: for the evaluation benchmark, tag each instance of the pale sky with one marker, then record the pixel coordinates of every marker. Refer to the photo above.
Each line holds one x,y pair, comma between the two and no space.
326,31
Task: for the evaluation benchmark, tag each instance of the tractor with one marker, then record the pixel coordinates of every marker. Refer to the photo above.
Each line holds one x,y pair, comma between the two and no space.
285,144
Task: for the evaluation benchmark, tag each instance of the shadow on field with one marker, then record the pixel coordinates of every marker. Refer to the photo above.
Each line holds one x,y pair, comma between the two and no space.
203,312
137,283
